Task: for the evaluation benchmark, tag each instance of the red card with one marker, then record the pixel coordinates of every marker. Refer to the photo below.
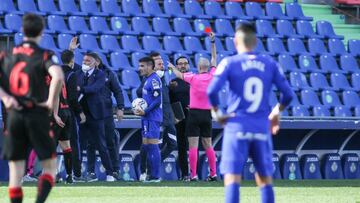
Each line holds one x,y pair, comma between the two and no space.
208,30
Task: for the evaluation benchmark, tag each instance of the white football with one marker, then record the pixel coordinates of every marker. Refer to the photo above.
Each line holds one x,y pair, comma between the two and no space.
139,103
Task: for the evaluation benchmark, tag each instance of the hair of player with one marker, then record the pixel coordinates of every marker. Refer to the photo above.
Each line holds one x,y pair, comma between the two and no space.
32,25
249,32
181,57
154,54
67,56
148,61
92,55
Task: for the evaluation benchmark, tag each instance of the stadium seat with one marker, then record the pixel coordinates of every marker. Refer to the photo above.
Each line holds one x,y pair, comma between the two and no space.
98,24
130,43
229,44
47,42
329,98
293,10
234,10
29,6
78,57
310,166
328,63
287,63
249,170
4,30
259,47
316,46
109,43
241,21
130,78
213,8
331,166
58,24
325,28
223,27
70,7
64,40
89,43
200,25
253,9
357,111
132,8
276,166
119,61
78,24
350,98
285,28
119,24
274,11
127,169
309,98
219,47
89,6
111,7
135,57
4,168
340,82
290,167
49,7
351,166
204,170
168,169
336,47
193,8
319,82
354,47
173,45
152,43
295,101
8,6
276,46
298,80
18,38
307,63
182,25
173,8
152,8
296,46
321,111
305,28
273,99
13,22
104,60
193,44
348,63
127,102
265,29
161,25
141,25
133,94
300,111
355,80
342,111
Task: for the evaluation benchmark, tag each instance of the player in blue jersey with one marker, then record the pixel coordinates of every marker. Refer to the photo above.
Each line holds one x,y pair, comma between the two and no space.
248,118
152,116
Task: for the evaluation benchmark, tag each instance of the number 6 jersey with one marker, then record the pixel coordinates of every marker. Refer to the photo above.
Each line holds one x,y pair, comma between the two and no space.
23,73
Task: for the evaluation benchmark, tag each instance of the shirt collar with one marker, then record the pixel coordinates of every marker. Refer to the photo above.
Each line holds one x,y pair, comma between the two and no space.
90,72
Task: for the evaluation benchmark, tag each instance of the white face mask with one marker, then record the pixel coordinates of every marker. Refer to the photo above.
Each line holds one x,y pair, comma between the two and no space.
85,68
160,73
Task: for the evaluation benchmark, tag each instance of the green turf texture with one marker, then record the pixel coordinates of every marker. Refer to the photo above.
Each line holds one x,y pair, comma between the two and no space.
327,191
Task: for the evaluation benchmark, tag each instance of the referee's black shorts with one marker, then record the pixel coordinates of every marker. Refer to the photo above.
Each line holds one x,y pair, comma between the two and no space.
62,134
28,129
199,123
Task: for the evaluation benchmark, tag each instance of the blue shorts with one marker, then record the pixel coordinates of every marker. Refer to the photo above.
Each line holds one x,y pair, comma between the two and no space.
150,129
238,145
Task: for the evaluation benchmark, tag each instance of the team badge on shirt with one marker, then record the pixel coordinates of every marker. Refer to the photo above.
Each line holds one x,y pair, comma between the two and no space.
155,84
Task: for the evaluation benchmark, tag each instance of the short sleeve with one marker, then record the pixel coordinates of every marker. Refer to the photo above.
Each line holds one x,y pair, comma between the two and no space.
188,77
50,59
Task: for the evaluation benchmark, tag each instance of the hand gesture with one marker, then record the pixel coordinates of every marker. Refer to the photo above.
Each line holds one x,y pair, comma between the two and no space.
212,36
59,121
73,44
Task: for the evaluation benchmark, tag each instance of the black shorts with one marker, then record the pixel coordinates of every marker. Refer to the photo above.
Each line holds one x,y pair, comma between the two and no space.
62,134
28,129
199,123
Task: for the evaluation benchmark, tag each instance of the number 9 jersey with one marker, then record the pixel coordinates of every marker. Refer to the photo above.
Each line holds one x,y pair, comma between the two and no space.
23,73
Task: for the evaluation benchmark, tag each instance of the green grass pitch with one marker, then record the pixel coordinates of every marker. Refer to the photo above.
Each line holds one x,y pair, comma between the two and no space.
327,191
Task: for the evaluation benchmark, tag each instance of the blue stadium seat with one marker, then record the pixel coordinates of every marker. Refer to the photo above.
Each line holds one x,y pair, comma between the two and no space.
355,80
4,30
193,8
152,8
290,167
357,111
78,24
29,6
300,111
4,168
296,46
141,24
273,99
309,98
274,11
259,47
47,42
316,46
119,60
331,166
135,57
70,7
340,82
319,81
127,102
328,63
119,24
78,57
305,28
127,169
98,24
182,25
275,46
200,25
342,111
109,43
203,169
348,63
173,8
294,11
58,24
193,44
276,166
168,169
174,45
162,26
213,8
295,101
310,166
18,38
152,43
307,63
241,21
325,28
8,6
329,98
234,10
287,63
321,111
132,8
219,47
253,9
265,29
104,60
336,47
89,6
13,22
223,27
285,28
249,170
130,43
298,81
89,43
133,94
49,7
111,7
229,44
64,40
350,98
354,47
130,78
351,166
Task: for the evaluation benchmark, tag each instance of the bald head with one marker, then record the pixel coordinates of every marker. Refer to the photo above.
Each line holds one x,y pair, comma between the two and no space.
245,38
203,65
